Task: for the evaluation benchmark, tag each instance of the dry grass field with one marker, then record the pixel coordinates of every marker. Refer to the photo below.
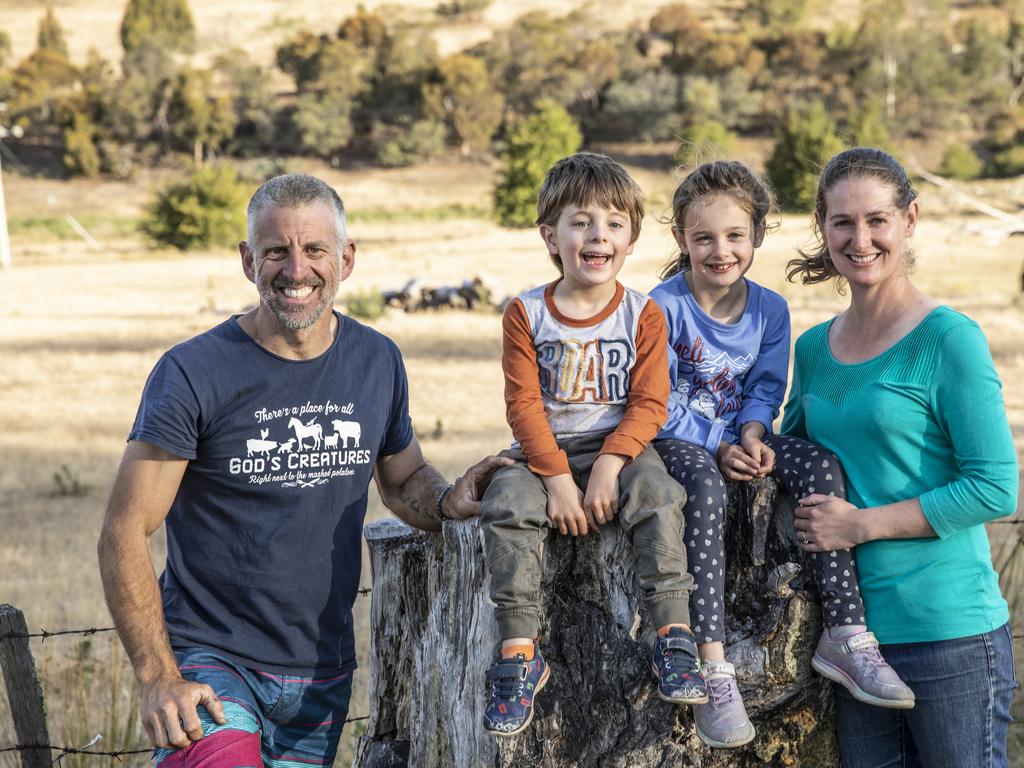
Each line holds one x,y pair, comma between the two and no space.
80,330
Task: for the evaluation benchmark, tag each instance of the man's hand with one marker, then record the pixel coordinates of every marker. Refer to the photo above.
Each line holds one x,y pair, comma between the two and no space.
826,523
601,502
734,463
168,710
565,505
463,501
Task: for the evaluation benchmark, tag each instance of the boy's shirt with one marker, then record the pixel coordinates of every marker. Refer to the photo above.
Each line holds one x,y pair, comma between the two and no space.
570,378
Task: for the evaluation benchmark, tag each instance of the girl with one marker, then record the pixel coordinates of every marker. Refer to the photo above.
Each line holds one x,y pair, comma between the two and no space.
728,356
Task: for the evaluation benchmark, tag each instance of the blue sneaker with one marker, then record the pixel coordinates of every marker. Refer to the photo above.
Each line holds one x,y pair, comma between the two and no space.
512,685
677,666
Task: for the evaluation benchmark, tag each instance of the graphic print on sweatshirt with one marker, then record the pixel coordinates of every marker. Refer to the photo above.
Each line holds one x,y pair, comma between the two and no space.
592,371
707,384
301,445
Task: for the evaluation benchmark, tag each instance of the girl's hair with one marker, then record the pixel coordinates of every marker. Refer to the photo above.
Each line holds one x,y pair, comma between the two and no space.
722,177
815,265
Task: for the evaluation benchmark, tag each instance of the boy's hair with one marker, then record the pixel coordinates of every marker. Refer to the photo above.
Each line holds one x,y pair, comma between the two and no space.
815,265
722,177
586,178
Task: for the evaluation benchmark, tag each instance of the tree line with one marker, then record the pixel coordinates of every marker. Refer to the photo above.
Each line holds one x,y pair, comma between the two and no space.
378,89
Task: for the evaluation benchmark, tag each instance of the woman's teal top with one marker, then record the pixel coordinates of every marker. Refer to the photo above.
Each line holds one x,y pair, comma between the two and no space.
925,419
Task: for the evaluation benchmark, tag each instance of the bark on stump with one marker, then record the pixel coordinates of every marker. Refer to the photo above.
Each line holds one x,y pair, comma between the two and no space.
433,636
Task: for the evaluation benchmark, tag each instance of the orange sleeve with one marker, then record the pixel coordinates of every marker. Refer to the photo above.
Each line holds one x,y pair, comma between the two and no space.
524,404
647,402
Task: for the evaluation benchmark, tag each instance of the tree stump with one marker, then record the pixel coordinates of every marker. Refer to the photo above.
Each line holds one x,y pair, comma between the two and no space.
433,637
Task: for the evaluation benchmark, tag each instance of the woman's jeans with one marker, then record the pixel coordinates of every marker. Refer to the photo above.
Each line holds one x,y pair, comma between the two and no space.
964,688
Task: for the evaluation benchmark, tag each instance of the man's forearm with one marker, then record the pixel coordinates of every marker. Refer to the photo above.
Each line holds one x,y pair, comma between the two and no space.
133,597
415,500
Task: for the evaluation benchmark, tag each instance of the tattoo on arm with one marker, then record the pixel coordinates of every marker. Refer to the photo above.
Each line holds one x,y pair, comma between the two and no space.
415,501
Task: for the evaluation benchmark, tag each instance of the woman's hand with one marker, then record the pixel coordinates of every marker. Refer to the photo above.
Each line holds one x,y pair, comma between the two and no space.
826,523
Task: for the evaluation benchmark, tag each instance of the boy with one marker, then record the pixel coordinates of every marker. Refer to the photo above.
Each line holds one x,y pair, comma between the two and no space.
586,387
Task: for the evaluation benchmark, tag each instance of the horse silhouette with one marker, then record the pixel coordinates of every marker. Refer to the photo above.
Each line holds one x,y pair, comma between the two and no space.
302,431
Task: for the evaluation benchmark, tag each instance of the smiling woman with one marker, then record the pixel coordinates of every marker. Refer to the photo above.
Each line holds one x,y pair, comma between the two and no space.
905,393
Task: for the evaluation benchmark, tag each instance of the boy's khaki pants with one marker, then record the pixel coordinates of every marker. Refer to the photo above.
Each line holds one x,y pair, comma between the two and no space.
516,525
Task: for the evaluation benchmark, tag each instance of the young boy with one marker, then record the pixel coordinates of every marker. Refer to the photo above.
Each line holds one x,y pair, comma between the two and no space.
586,387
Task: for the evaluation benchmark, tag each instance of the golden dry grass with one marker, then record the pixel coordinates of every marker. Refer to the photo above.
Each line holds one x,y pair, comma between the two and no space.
79,331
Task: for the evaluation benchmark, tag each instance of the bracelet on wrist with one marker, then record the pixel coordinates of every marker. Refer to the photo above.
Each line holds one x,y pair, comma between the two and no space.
440,503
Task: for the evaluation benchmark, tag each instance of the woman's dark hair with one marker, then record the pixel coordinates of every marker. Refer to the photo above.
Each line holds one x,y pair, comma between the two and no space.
815,265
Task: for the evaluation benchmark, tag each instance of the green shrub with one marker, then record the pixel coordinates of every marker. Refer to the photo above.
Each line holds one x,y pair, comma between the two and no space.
868,128
80,152
643,108
804,143
530,149
205,210
959,161
406,144
365,305
1008,162
157,24
705,142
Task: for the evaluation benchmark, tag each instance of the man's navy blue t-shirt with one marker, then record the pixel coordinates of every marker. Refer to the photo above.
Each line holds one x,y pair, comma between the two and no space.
264,536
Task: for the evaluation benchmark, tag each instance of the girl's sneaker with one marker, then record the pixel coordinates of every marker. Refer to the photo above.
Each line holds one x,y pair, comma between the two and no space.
850,657
723,721
512,685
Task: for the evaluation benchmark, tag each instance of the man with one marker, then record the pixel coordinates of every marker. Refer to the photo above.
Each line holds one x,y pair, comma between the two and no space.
256,441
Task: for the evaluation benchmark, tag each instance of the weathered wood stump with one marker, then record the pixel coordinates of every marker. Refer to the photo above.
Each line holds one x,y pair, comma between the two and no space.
433,636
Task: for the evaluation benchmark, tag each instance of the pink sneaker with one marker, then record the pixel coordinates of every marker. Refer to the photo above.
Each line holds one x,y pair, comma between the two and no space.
853,660
723,721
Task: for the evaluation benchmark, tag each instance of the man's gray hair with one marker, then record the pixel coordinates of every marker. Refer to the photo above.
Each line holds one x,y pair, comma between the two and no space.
294,190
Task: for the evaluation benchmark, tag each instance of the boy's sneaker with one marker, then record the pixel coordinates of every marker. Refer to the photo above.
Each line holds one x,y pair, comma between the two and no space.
854,661
677,666
723,721
511,686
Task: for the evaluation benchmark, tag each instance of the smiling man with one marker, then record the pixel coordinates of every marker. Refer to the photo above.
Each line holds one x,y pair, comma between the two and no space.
256,442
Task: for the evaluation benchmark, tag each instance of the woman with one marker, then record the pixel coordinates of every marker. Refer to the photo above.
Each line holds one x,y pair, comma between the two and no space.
904,391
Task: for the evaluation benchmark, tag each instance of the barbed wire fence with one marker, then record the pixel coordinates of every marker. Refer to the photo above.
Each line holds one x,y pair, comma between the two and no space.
25,697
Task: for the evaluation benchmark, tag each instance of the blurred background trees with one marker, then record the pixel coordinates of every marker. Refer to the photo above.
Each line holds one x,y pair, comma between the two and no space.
377,90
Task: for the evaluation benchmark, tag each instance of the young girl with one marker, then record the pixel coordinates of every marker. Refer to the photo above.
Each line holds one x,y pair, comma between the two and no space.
729,356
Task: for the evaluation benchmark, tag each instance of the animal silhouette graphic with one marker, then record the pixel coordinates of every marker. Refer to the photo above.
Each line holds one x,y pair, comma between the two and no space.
346,430
261,446
302,431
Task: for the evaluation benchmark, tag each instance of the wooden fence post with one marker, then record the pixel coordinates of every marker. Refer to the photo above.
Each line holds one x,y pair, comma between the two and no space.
23,691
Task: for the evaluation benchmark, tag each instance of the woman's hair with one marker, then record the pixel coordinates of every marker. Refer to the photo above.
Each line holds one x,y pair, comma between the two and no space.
815,265
722,177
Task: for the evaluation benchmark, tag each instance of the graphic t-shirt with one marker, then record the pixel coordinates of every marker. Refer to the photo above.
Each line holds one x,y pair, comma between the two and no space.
566,377
723,374
264,535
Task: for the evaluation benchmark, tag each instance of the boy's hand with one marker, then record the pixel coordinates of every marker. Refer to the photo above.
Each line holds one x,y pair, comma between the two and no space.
601,501
565,505
758,450
734,463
